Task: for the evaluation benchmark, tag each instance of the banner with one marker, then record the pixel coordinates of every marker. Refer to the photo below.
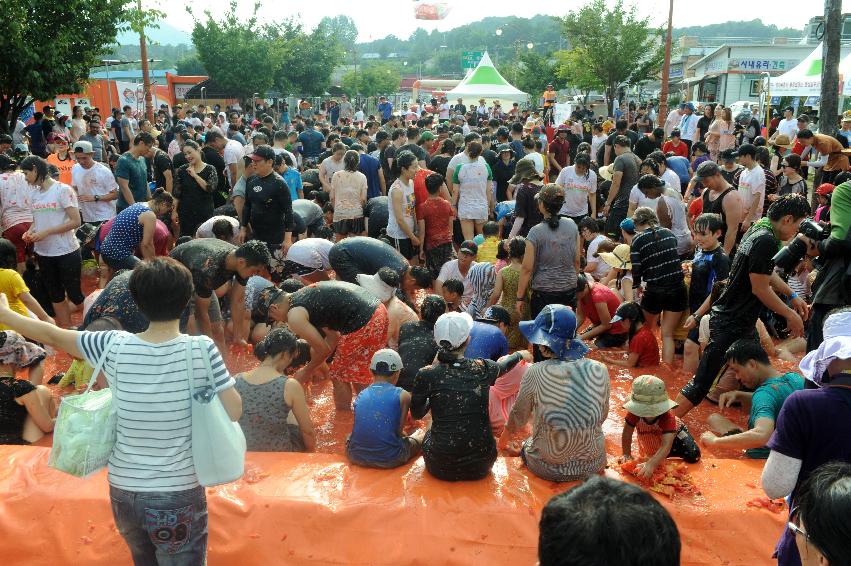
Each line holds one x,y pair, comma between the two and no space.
425,10
561,113
63,106
133,95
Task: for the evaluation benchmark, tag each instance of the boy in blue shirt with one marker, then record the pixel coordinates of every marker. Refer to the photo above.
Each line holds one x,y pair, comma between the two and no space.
771,388
710,264
377,440
284,168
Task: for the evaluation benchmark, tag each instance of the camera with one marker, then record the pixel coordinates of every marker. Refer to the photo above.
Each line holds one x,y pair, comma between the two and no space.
788,257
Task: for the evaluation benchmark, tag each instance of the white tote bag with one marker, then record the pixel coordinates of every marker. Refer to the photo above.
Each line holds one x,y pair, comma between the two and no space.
218,444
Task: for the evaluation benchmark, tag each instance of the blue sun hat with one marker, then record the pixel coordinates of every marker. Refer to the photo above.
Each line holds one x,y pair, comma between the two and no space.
555,328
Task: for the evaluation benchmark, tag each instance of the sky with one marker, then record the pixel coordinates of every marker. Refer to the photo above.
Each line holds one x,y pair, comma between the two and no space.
378,18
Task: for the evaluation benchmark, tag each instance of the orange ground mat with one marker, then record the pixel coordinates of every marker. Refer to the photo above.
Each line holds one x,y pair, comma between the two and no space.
317,509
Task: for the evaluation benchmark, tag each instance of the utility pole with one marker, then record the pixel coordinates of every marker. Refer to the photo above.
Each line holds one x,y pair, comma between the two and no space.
666,69
829,101
146,80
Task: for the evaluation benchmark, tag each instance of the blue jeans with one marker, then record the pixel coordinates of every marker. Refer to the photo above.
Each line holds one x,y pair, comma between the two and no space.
162,528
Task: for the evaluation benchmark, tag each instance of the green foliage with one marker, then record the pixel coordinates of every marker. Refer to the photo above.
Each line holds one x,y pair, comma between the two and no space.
48,49
372,80
190,65
571,67
619,47
531,72
752,29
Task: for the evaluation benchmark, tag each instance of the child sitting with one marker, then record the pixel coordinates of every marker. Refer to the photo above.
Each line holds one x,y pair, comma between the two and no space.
823,195
28,409
619,277
661,435
502,258
505,291
490,243
643,346
377,440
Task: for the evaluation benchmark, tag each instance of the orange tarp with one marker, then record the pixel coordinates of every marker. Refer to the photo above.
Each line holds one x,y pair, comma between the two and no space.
317,509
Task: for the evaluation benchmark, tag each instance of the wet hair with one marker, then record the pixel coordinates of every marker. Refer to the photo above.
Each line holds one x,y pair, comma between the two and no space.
591,224
605,246
644,215
583,160
291,285
658,157
8,254
792,204
622,141
447,146
161,288
454,286
403,160
255,253
223,229
744,350
389,277
433,306
517,247
595,523
351,160
824,505
433,183
103,324
581,283
422,276
841,178
474,149
708,222
632,314
490,229
37,164
650,164
324,232
278,341
53,171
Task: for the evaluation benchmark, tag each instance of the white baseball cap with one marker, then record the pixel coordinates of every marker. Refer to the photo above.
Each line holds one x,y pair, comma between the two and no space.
385,362
453,327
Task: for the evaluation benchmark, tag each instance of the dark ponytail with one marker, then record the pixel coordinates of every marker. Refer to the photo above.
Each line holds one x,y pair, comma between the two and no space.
279,340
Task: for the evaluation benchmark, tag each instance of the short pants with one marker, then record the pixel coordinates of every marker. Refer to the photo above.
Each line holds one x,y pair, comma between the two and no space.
15,235
355,350
61,276
655,300
215,310
404,247
410,448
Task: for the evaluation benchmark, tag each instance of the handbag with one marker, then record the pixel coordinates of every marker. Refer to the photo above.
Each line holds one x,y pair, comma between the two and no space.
85,430
218,444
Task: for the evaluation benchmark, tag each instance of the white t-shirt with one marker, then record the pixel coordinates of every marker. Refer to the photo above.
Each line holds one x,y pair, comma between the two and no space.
752,182
601,267
596,143
96,180
359,116
232,154
456,160
393,229
444,112
672,181
311,252
205,230
450,271
538,159
48,212
688,127
576,190
637,198
16,198
788,127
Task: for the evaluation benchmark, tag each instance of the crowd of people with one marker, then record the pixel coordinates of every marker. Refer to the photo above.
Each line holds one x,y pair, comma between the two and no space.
449,271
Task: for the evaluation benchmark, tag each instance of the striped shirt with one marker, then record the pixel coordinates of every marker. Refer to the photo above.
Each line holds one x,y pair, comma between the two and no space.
153,450
655,259
569,402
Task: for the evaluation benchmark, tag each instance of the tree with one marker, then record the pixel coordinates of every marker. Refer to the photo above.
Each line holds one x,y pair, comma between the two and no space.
308,60
341,28
372,80
48,50
573,69
190,65
242,57
619,47
531,72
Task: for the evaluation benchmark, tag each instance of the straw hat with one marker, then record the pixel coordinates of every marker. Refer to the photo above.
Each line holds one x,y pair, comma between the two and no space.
648,398
618,258
782,140
606,172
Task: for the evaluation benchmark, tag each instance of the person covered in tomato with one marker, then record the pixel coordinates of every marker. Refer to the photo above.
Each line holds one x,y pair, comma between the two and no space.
336,318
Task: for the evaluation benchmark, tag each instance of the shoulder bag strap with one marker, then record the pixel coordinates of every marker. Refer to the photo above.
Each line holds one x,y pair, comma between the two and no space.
116,340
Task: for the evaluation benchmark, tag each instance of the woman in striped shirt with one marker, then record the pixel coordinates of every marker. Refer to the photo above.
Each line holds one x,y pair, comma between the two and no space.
655,260
568,398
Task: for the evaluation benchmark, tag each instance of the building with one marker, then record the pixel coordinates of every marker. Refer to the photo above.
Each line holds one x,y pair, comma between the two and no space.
732,73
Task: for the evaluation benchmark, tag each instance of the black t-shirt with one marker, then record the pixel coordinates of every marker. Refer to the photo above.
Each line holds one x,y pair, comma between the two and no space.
362,254
645,146
703,126
215,159
205,259
268,208
527,207
337,305
160,164
389,152
502,174
178,161
633,139
309,214
417,349
439,163
706,269
422,155
460,444
491,157
737,307
376,210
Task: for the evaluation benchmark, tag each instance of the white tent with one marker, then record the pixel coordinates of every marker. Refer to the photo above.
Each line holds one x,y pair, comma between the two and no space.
805,78
486,82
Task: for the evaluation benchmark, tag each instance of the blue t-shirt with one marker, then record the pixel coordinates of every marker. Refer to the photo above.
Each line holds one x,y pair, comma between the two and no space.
293,180
767,401
311,143
136,172
679,165
487,342
36,132
375,434
126,233
370,166
386,110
